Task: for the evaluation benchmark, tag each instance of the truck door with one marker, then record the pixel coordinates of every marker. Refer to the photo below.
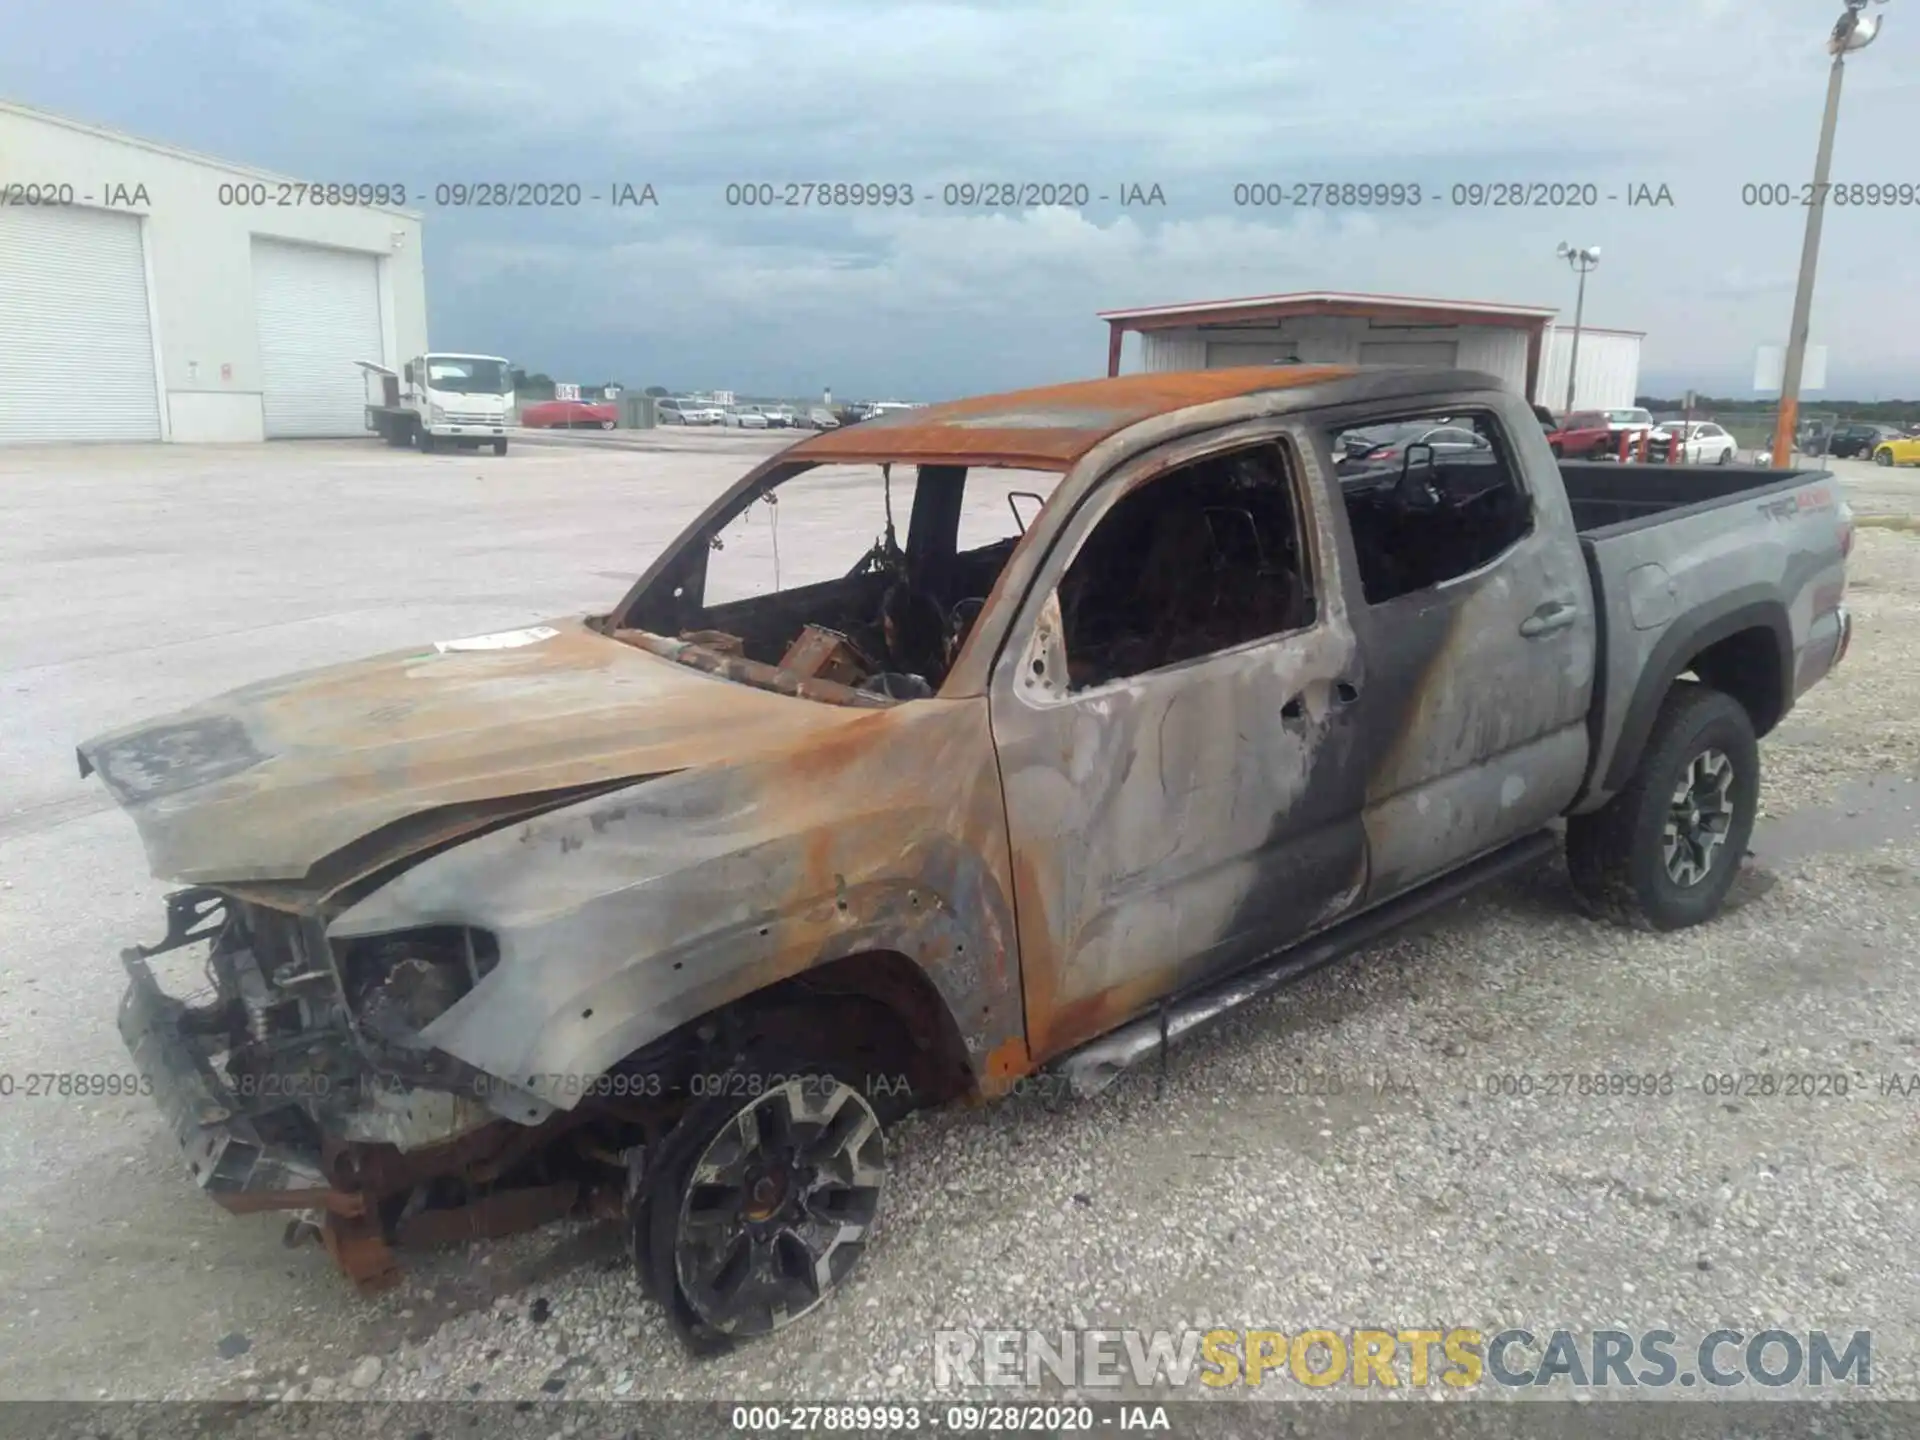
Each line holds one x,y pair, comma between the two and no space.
1171,712
1474,616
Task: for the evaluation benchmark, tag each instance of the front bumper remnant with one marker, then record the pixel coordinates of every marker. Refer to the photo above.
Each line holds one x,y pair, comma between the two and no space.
225,1153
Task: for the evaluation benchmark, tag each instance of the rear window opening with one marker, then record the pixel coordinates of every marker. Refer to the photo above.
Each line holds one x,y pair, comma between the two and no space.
1429,498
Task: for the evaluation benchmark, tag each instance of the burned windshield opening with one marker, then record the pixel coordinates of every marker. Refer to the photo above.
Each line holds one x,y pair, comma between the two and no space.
868,576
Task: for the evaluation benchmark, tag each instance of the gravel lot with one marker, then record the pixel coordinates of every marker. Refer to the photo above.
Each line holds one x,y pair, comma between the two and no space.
1222,1193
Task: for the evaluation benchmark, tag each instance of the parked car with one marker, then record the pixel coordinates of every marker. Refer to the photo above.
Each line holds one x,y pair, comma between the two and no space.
1859,438
687,412
1369,448
684,884
1704,443
779,417
1584,435
1548,420
817,417
1631,418
570,415
1900,450
745,418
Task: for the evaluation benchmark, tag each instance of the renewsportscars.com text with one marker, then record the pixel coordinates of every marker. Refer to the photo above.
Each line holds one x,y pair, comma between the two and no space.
1459,1358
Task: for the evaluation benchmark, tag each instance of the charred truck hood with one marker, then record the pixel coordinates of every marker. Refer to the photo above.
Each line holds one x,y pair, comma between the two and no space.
361,764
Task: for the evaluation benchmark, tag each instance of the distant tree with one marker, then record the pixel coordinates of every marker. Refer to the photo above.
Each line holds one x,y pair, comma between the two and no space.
657,391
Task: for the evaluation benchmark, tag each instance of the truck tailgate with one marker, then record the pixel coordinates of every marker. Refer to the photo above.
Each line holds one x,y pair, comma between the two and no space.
1757,571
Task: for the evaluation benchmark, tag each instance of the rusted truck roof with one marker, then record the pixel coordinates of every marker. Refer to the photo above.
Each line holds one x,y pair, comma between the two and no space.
1048,428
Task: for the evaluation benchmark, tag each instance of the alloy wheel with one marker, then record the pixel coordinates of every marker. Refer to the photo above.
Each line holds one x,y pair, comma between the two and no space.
1698,818
778,1208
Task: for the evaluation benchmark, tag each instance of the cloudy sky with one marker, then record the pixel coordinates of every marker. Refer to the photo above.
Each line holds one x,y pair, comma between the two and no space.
1702,96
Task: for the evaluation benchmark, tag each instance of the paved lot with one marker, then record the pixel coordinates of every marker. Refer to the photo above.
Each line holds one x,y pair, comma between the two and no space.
1236,1191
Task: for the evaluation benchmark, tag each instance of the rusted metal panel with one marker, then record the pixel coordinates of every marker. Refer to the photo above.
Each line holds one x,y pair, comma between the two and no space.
262,783
507,1213
621,918
1048,428
1170,826
359,1247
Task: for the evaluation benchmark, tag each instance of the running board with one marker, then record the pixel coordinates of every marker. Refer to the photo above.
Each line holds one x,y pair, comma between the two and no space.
1094,1067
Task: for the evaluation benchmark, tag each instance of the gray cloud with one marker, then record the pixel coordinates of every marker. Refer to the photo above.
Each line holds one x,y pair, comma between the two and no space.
1702,95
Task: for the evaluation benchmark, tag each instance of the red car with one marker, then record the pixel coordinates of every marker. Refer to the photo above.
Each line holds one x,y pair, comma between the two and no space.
1584,435
570,415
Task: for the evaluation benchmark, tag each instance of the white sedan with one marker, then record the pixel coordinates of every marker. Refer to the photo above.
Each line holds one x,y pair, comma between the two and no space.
747,419
1701,443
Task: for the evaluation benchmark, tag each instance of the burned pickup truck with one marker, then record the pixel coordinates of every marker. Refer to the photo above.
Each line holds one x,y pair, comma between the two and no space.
1016,734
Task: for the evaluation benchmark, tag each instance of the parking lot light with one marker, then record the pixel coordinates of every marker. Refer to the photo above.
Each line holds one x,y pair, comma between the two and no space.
1851,32
1582,258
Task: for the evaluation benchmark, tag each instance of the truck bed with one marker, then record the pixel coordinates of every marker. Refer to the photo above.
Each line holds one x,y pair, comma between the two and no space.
1613,499
1685,557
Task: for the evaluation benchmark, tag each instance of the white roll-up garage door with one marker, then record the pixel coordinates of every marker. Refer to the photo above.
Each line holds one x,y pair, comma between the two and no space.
1428,354
318,312
76,344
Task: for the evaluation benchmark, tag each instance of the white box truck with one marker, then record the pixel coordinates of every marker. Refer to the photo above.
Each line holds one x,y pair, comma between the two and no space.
442,401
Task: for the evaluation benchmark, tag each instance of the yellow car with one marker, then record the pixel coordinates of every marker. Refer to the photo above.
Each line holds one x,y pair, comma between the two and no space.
1901,450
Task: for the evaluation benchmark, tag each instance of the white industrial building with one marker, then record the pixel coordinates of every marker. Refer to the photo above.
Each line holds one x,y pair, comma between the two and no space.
1519,343
151,294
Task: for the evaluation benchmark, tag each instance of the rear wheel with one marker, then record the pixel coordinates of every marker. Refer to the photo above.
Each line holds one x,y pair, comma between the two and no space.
1663,853
606,424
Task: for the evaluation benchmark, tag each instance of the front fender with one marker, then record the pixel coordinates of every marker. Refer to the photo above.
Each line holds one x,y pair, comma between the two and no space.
622,917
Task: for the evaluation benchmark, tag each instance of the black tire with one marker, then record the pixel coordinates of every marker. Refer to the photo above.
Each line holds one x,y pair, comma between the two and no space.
427,442
724,1274
1883,457
606,424
500,447
1726,458
1625,864
1555,446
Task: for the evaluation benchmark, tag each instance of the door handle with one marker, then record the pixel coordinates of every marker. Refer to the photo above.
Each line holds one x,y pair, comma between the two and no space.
1551,616
1345,692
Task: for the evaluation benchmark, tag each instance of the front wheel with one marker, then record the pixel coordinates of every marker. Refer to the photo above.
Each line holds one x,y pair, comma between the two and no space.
428,442
500,447
1883,457
1663,853
606,424
760,1205
1726,457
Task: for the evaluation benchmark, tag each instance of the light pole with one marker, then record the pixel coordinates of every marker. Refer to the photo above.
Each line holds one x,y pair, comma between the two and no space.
1850,33
1582,258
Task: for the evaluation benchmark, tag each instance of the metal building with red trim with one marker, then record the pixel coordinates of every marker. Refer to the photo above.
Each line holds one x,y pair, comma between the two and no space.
1520,343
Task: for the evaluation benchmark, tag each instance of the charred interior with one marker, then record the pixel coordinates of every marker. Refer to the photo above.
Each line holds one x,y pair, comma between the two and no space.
1428,498
1203,558
889,624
